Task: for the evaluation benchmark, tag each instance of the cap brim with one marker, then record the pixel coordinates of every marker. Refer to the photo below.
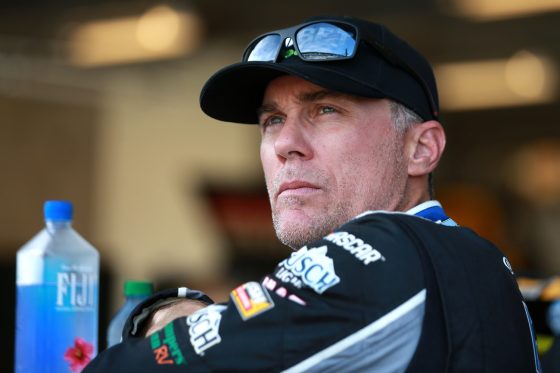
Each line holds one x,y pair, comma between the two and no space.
235,92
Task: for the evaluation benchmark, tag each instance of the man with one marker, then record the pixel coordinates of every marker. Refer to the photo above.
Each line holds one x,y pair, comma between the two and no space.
381,279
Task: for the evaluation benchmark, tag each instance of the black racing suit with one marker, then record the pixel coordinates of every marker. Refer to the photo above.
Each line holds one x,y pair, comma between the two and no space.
386,292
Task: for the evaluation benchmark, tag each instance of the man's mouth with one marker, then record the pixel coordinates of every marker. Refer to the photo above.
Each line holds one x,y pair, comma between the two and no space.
297,188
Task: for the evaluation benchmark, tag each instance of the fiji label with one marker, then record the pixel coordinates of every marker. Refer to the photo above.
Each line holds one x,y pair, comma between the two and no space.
75,290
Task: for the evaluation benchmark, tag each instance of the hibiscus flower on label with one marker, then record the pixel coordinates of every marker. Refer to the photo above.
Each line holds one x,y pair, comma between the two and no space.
79,355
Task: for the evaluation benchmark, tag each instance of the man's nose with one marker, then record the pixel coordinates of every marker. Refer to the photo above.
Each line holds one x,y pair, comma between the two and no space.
293,141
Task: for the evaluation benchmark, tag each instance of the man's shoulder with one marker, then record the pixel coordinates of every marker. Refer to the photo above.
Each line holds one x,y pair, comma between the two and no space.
378,226
445,247
401,228
371,262
377,242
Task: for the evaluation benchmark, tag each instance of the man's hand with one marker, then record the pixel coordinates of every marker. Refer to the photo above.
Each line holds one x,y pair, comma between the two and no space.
163,316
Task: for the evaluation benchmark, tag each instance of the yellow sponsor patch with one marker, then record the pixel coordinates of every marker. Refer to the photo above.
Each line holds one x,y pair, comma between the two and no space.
251,299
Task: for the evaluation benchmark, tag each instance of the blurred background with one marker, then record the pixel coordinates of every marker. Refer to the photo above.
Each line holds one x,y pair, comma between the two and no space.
99,105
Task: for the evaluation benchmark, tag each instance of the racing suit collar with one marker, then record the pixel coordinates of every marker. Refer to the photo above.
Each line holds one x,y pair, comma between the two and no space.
430,210
433,211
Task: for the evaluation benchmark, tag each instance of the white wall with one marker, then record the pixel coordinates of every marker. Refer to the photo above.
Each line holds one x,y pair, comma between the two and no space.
155,147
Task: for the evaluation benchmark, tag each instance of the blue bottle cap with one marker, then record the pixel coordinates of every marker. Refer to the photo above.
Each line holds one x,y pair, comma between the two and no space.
58,210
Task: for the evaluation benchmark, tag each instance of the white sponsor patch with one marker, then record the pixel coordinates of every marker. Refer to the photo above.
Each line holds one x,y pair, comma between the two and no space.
355,246
204,327
311,267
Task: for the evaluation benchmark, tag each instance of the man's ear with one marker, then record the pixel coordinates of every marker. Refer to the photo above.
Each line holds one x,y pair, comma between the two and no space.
424,144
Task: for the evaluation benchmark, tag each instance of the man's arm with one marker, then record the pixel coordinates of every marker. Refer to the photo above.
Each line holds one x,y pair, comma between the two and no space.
163,316
353,299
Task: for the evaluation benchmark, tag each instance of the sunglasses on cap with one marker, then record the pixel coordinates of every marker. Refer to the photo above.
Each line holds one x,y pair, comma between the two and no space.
321,41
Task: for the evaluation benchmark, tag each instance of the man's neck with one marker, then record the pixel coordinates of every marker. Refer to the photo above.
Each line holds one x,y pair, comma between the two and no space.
415,193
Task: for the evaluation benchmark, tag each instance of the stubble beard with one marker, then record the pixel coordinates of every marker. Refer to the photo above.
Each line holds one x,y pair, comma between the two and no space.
298,234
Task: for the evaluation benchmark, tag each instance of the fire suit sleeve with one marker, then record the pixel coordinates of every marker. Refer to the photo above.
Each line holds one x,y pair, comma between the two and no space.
352,300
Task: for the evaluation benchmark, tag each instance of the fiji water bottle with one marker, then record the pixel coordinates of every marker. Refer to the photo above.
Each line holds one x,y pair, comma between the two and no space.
134,293
57,297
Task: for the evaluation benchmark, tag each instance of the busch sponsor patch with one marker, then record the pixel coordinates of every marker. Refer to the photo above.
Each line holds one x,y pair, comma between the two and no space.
355,246
204,327
311,267
251,299
167,351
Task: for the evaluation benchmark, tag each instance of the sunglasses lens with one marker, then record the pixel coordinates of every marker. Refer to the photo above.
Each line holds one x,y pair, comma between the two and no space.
265,49
326,41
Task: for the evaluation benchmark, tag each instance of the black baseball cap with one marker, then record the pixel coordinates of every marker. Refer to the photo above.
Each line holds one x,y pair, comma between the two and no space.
384,66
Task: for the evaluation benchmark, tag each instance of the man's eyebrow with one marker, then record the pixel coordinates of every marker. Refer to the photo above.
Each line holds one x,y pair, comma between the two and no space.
302,98
265,108
318,95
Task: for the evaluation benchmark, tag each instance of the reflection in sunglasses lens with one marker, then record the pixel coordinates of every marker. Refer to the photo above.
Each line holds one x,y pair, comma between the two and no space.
265,49
323,41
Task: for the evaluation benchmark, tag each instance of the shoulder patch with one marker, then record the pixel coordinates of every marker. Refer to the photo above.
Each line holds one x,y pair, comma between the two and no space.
204,327
361,250
311,267
273,286
251,299
167,351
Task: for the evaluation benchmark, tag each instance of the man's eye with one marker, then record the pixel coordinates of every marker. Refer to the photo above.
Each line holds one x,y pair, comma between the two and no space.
271,121
327,110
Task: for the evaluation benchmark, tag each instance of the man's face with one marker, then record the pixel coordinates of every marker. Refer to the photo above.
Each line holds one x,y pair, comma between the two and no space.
327,157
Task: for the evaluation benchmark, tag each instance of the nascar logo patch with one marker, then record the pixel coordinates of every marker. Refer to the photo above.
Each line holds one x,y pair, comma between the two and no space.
251,299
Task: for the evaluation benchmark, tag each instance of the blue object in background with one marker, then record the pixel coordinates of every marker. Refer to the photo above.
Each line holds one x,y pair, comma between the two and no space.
134,293
57,280
553,317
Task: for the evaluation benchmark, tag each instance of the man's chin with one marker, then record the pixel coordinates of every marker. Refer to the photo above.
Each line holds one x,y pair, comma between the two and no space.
301,225
296,233
293,238
292,228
